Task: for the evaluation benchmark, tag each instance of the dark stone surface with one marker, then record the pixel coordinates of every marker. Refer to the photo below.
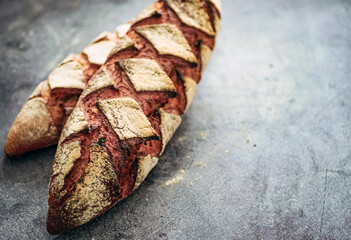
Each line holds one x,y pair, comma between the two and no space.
266,144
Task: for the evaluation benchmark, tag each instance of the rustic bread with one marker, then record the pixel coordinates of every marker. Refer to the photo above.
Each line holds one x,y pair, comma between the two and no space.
40,121
130,109
42,117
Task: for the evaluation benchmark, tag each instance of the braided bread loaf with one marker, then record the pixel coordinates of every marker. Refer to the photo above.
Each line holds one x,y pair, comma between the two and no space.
42,117
130,109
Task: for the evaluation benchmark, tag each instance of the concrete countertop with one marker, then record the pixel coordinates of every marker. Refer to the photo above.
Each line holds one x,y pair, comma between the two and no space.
263,153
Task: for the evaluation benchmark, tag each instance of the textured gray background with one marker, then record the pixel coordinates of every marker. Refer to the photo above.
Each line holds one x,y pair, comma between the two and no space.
280,77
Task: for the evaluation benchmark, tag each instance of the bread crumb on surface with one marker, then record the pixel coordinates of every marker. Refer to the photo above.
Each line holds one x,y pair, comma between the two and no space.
200,164
177,179
197,178
181,139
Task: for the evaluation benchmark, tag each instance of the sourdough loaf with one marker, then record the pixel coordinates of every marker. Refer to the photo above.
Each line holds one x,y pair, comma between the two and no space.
130,109
42,117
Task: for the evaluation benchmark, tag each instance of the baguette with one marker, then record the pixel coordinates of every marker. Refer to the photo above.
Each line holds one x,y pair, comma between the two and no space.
129,110
40,121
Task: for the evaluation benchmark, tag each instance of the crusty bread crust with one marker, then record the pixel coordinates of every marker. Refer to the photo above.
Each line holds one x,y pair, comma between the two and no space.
21,138
39,123
130,110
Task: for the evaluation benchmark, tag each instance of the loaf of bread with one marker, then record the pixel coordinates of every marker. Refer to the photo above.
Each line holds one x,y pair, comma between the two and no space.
130,109
40,121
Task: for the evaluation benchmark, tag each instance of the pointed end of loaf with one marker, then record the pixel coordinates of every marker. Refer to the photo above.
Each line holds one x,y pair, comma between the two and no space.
32,129
56,223
59,221
93,193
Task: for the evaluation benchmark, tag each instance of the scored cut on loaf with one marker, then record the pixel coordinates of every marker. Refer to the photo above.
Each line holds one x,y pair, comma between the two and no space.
41,119
130,109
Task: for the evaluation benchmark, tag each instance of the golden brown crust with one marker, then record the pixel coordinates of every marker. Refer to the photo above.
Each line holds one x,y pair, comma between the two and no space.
122,29
91,195
217,4
122,44
67,155
217,22
145,165
149,11
146,75
98,52
126,118
190,88
37,90
169,124
21,137
206,53
168,39
98,81
76,123
67,75
192,13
